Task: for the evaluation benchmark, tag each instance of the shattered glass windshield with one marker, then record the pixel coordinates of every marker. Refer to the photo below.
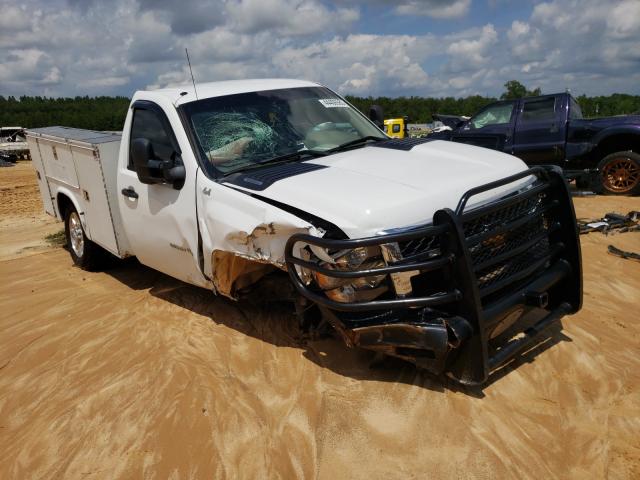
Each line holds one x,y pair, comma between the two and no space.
240,131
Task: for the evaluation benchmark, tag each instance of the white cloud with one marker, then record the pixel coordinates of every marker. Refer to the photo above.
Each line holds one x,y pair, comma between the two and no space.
13,19
624,20
442,9
472,52
359,63
434,8
117,46
19,66
288,17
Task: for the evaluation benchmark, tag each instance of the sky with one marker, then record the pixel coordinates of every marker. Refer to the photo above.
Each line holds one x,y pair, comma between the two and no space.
376,47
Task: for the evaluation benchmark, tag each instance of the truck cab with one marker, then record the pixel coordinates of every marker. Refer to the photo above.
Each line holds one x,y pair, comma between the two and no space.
445,255
601,154
533,129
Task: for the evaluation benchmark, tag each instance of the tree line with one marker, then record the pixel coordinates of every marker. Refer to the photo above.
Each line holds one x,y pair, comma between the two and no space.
420,109
108,113
93,113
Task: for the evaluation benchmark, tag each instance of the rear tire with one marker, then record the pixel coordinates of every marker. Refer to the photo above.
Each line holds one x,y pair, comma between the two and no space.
618,174
84,253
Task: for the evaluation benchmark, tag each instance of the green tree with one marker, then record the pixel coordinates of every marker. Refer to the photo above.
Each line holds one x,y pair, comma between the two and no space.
514,89
108,113
99,113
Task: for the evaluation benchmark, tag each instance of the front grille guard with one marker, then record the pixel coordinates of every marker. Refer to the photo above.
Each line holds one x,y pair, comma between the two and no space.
461,296
443,261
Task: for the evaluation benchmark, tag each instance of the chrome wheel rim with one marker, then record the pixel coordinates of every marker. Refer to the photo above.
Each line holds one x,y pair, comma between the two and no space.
76,234
620,175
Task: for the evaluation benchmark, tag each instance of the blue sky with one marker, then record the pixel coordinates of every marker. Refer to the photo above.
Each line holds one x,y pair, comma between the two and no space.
378,47
379,18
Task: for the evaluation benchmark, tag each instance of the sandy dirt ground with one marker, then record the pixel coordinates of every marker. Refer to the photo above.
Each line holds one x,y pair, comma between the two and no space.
131,374
23,223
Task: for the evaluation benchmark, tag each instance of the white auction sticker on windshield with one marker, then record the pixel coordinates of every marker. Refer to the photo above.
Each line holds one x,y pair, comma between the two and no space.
333,102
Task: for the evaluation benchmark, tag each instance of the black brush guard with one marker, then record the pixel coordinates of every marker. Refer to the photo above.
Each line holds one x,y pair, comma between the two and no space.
504,271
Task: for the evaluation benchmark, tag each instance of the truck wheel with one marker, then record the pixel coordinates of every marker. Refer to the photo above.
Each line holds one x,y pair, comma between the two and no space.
619,174
84,253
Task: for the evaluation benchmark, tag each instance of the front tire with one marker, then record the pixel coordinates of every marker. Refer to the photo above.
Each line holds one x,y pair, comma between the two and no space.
84,253
619,174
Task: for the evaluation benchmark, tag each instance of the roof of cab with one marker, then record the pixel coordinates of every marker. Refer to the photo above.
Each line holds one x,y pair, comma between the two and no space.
229,87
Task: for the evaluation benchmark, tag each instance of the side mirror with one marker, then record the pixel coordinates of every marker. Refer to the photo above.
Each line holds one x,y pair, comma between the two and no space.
376,115
175,175
146,166
151,170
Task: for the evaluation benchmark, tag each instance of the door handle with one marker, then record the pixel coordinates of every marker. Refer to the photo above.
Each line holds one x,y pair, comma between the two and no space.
129,192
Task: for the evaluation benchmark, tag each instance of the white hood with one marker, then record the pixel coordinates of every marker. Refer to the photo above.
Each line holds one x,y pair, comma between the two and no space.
370,189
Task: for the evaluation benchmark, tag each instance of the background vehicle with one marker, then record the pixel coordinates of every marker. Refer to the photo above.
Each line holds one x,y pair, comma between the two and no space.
449,122
455,266
602,154
13,144
397,127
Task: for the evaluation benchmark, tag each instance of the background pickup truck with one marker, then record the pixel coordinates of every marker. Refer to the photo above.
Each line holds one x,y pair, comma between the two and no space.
602,154
283,180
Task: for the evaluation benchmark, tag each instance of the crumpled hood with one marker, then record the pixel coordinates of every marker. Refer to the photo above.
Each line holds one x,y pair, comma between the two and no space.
371,189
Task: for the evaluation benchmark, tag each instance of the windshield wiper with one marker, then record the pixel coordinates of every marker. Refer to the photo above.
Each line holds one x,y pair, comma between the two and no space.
298,154
355,142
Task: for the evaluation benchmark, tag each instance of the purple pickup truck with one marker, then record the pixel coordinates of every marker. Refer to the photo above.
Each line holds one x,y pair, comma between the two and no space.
602,154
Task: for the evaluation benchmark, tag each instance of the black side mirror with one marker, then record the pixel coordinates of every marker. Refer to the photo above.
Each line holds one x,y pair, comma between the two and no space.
175,175
146,166
151,170
376,115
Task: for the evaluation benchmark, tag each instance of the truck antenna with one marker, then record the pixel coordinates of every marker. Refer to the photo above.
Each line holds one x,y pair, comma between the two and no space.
190,70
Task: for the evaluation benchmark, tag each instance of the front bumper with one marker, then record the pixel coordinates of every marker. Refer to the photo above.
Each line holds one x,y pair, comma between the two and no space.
490,280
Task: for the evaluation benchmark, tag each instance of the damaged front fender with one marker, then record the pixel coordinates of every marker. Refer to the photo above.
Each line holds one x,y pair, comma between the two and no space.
243,238
233,272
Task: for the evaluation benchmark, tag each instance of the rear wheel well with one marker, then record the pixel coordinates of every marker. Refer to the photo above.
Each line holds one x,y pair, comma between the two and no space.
63,203
618,143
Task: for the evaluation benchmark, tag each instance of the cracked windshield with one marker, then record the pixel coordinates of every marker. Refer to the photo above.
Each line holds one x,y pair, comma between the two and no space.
239,131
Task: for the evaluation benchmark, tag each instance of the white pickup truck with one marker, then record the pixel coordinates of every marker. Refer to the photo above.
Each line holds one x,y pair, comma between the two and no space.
450,256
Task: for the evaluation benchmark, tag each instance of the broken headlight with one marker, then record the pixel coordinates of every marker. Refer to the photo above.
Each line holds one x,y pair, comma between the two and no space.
352,289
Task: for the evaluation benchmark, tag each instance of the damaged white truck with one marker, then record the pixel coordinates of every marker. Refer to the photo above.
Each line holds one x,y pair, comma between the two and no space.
450,256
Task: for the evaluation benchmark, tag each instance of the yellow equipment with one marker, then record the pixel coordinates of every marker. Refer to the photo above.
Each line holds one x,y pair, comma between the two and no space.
396,127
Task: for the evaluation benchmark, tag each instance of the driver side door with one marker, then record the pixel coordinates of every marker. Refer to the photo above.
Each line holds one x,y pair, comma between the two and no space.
491,127
159,218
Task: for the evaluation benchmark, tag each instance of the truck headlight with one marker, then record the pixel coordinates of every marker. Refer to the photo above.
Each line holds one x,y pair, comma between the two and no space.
350,294
352,289
326,282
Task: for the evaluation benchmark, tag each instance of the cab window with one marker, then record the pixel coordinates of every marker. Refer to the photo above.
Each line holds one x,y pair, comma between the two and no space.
575,112
148,124
493,115
539,110
396,128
